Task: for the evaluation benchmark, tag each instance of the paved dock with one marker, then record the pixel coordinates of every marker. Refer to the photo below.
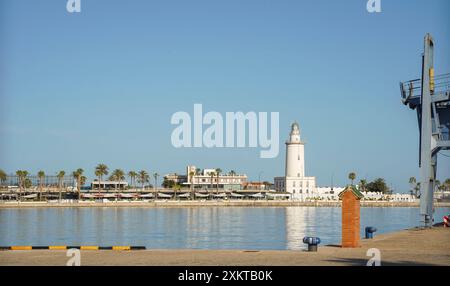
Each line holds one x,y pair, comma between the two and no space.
407,247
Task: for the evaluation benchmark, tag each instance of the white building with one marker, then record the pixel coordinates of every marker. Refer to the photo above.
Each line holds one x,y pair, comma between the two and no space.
295,182
332,194
328,193
109,185
209,179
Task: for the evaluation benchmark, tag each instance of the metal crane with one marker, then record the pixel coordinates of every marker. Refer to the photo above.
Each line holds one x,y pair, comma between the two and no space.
430,97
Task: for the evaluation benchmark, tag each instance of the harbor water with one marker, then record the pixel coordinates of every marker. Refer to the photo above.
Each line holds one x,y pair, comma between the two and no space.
194,228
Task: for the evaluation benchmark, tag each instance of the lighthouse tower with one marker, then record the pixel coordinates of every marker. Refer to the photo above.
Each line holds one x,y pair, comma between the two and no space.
295,150
295,183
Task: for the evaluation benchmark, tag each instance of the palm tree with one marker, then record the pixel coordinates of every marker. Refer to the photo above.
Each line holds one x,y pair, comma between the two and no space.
218,171
437,185
143,178
232,173
41,176
417,190
100,171
21,177
191,176
447,185
412,182
82,183
211,175
132,175
363,185
155,176
352,176
198,172
2,176
78,174
60,176
118,175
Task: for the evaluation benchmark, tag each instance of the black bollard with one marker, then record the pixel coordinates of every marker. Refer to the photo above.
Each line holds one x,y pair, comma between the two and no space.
369,232
312,243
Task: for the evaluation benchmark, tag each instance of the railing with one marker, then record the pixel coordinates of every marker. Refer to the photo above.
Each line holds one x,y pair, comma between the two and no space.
413,88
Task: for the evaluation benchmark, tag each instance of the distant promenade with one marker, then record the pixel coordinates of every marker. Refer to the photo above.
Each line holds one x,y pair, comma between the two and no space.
207,203
407,247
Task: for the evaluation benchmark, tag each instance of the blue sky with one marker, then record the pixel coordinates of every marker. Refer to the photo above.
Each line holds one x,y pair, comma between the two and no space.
101,85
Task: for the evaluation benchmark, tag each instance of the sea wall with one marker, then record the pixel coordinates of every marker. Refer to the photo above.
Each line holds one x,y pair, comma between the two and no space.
234,203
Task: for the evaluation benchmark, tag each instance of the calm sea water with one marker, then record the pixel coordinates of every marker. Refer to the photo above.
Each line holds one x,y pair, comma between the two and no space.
196,228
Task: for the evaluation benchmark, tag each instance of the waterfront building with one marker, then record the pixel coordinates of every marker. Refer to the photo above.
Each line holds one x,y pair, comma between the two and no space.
209,179
109,185
294,181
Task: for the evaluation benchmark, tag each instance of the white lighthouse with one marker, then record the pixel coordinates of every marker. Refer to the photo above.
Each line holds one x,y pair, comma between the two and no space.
294,181
295,150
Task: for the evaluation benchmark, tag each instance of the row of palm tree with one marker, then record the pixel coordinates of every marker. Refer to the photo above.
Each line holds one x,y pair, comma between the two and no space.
101,170
415,186
438,186
141,177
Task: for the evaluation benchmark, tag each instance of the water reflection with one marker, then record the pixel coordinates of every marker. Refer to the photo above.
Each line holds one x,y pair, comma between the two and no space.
196,228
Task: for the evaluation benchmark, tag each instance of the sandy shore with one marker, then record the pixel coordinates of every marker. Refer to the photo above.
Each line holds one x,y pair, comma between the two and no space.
230,203
408,247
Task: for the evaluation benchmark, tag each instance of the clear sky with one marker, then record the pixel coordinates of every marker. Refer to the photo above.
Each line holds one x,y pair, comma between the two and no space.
101,85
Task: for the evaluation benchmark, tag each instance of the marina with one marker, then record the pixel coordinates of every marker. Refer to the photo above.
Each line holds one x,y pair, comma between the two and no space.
406,248
269,228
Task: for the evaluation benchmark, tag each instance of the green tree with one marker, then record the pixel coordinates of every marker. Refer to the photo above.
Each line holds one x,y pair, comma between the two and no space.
155,177
118,175
60,177
21,177
143,178
218,171
78,175
363,185
132,175
168,184
191,177
413,184
352,176
437,185
100,171
3,177
211,175
378,185
27,183
41,176
447,185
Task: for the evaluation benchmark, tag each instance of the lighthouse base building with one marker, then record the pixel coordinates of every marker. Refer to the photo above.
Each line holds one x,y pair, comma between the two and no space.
295,182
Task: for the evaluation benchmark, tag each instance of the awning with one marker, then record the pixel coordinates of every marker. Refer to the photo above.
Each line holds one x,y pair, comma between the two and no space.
88,196
278,195
161,195
201,195
186,195
237,195
258,195
109,196
222,195
32,196
146,196
127,195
